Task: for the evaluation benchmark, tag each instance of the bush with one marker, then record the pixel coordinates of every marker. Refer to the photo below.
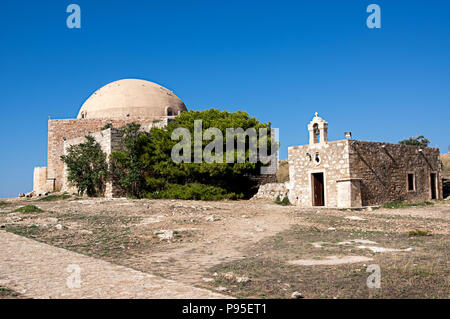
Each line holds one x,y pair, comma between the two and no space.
284,202
54,197
2,203
131,165
28,209
278,200
194,191
418,232
417,141
87,167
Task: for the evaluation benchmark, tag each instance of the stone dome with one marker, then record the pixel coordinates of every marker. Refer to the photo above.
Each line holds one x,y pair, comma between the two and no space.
131,98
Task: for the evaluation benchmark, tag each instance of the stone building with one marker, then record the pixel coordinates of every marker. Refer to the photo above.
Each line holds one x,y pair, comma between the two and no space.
349,173
115,104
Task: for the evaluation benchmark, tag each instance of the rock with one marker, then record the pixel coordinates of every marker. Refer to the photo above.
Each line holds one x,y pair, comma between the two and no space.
355,218
59,227
296,295
331,228
2,226
369,209
228,275
244,216
206,279
212,218
164,234
13,219
272,191
242,279
85,231
215,274
52,220
221,288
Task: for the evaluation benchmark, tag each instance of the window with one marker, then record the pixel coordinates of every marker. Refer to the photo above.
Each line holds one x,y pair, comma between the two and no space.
170,111
411,182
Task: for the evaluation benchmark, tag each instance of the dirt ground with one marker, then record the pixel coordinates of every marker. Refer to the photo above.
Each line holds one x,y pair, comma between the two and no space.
253,249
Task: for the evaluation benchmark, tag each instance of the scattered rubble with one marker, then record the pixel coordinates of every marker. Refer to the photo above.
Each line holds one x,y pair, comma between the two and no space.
355,218
206,279
376,249
164,234
13,219
329,261
272,191
297,295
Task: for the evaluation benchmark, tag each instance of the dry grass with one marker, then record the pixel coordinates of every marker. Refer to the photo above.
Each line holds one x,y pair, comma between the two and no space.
445,158
255,240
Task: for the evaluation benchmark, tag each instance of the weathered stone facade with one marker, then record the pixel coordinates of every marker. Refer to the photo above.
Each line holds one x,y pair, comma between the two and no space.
110,140
350,173
61,131
384,168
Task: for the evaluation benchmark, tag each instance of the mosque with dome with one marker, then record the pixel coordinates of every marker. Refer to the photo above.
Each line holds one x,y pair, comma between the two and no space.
114,105
343,173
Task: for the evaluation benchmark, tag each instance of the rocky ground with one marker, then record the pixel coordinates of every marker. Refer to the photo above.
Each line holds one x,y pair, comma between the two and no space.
252,249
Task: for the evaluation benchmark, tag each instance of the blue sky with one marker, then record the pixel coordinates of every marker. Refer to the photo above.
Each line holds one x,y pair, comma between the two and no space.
280,61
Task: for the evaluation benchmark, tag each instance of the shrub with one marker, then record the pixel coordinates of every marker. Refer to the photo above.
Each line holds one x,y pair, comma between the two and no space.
54,197
400,204
87,167
284,202
28,209
2,203
194,191
131,166
277,200
418,232
417,141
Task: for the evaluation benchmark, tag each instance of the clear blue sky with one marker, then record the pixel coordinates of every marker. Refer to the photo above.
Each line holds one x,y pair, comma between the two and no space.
278,60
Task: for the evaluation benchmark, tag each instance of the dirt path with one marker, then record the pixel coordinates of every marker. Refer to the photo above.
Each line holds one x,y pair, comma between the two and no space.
220,242
38,270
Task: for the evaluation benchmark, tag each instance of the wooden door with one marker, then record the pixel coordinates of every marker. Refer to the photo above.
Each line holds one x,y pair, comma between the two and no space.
318,189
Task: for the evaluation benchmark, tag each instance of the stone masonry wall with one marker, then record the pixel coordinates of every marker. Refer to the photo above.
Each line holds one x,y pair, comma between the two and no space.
271,191
333,162
383,170
67,129
110,140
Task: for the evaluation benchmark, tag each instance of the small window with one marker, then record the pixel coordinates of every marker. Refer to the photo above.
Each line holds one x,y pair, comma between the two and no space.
170,111
411,182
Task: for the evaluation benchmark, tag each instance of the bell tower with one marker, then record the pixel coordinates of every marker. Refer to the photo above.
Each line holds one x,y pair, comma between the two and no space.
318,130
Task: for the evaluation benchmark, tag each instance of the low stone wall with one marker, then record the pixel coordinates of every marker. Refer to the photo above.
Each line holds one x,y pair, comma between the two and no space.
271,191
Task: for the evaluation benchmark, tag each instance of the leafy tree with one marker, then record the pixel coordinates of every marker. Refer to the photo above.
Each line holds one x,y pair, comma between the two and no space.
87,167
145,164
128,165
418,141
